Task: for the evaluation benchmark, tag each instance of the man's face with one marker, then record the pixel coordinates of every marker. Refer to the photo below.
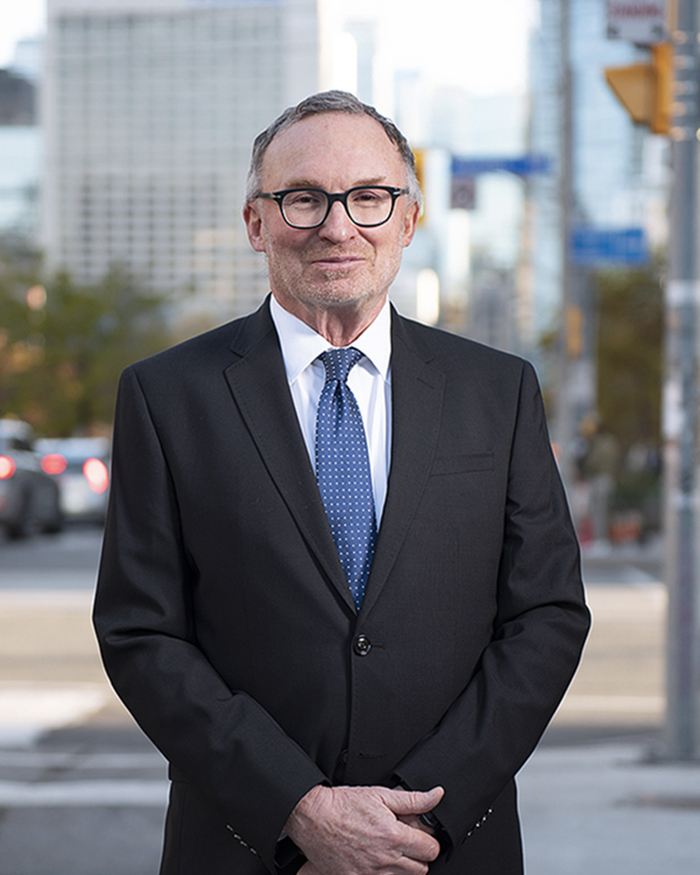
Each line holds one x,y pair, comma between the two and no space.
338,263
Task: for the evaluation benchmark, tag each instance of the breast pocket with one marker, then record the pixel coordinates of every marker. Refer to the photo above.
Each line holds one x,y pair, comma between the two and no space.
462,463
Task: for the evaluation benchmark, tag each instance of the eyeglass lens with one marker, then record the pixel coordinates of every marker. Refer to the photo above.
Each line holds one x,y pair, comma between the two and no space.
365,206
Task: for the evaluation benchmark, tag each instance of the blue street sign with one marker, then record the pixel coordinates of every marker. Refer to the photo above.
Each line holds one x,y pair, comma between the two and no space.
523,165
596,246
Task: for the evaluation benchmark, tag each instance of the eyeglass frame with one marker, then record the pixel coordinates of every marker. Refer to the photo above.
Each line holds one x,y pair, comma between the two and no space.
279,196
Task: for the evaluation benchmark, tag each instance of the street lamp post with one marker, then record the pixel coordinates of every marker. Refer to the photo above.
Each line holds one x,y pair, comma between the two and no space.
564,431
681,400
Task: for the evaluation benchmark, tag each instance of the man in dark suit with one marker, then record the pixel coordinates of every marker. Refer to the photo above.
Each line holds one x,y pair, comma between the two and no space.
344,605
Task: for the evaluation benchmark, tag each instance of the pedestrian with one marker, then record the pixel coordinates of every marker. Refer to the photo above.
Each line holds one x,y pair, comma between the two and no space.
600,468
339,587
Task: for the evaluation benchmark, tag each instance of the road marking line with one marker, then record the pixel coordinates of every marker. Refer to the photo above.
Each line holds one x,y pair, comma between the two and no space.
146,794
28,711
61,599
622,704
37,759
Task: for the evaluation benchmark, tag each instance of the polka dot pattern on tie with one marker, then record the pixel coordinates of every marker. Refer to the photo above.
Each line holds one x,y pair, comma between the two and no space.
343,471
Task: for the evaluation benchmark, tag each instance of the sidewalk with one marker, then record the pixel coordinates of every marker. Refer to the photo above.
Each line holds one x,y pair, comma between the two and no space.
592,801
599,809
590,804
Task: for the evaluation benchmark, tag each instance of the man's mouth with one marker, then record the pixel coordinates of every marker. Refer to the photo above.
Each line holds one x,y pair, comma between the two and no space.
336,262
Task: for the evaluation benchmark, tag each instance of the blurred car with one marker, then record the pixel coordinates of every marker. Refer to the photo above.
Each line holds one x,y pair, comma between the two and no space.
80,467
29,498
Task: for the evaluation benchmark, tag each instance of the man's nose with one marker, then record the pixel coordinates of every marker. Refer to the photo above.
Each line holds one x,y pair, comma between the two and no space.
338,225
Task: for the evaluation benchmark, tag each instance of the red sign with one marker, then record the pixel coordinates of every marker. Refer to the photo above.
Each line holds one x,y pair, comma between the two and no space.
640,22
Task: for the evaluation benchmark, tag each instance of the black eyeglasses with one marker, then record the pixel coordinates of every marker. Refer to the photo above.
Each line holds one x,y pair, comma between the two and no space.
366,206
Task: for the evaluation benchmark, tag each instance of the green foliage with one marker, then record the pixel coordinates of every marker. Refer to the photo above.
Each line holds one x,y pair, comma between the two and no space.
630,356
61,356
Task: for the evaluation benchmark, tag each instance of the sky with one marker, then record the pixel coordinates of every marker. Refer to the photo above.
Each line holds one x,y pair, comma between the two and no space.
18,18
479,45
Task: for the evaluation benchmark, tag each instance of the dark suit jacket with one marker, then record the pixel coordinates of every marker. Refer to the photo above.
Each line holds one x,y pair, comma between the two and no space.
228,629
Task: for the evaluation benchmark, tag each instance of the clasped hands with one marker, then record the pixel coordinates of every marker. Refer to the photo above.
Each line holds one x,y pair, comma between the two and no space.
364,831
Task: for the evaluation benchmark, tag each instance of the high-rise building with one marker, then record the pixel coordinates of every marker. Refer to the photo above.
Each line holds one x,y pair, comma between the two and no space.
618,169
150,108
28,60
365,35
17,99
474,252
20,157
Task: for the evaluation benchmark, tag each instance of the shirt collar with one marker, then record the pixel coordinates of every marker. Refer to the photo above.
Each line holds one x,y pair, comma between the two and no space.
301,345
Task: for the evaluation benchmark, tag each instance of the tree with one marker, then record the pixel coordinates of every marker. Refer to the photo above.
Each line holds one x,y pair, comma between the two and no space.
63,346
630,356
630,375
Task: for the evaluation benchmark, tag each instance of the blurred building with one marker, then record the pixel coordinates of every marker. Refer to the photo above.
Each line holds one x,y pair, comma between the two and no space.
17,100
364,34
474,251
20,157
28,60
620,172
150,108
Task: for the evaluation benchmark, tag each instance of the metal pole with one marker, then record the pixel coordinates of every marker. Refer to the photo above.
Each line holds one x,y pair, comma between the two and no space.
564,411
680,400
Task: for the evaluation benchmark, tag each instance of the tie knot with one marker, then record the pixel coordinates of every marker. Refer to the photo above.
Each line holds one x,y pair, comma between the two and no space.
338,362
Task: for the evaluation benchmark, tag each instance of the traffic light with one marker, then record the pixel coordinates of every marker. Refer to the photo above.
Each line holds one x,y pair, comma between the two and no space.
574,331
419,155
646,90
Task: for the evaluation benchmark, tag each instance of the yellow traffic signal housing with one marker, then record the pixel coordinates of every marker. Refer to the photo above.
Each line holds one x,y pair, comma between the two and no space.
646,90
574,331
419,155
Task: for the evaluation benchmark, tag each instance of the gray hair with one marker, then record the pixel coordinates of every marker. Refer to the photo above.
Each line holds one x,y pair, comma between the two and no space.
319,104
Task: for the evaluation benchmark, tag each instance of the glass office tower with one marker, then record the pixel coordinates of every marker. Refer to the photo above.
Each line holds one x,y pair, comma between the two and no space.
150,108
620,170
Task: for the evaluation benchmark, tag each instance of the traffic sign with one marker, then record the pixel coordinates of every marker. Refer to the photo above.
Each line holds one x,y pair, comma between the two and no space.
463,193
522,165
598,246
641,23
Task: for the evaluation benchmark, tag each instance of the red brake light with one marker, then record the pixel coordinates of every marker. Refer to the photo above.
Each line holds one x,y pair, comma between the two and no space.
54,463
7,467
97,475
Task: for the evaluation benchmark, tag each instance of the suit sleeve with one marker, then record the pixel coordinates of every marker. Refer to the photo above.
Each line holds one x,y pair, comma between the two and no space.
539,632
221,741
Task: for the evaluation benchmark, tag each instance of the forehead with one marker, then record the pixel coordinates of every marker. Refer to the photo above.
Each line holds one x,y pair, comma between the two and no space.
333,151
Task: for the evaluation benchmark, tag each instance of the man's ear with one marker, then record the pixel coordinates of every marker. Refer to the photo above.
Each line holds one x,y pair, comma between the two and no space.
253,224
410,221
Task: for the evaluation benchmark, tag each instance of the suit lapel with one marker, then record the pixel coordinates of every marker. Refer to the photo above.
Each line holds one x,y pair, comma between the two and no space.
417,395
258,382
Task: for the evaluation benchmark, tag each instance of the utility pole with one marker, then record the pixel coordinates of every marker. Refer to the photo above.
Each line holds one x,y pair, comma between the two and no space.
681,400
666,97
564,431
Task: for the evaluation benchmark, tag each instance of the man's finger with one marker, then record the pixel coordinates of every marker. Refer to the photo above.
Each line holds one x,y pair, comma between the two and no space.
412,801
415,822
354,831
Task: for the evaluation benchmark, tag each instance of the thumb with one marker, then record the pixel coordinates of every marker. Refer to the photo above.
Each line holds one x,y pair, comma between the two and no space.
413,801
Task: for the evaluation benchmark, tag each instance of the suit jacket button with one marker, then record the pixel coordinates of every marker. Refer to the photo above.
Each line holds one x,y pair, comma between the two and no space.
362,645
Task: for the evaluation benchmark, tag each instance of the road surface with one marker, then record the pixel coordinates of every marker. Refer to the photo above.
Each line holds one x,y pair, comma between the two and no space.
82,792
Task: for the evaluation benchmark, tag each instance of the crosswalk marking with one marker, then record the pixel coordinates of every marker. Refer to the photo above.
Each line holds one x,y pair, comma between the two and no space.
101,793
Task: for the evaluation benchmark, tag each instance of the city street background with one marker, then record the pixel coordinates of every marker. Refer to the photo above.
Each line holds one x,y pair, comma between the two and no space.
82,792
125,133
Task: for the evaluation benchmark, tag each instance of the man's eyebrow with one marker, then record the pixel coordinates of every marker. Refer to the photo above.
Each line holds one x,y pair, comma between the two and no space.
309,183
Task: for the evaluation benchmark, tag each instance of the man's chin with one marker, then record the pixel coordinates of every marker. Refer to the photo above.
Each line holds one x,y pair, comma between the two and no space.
337,294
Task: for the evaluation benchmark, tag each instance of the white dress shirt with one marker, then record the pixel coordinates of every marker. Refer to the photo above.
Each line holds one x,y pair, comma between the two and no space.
369,381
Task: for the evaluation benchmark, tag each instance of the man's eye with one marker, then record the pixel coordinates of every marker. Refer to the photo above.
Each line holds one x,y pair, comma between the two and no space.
366,194
303,199
369,197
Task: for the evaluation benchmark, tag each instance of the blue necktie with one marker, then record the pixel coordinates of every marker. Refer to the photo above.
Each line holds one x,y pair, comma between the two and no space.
343,472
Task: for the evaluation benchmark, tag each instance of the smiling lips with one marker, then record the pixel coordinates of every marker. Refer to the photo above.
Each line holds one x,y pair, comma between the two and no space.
336,262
